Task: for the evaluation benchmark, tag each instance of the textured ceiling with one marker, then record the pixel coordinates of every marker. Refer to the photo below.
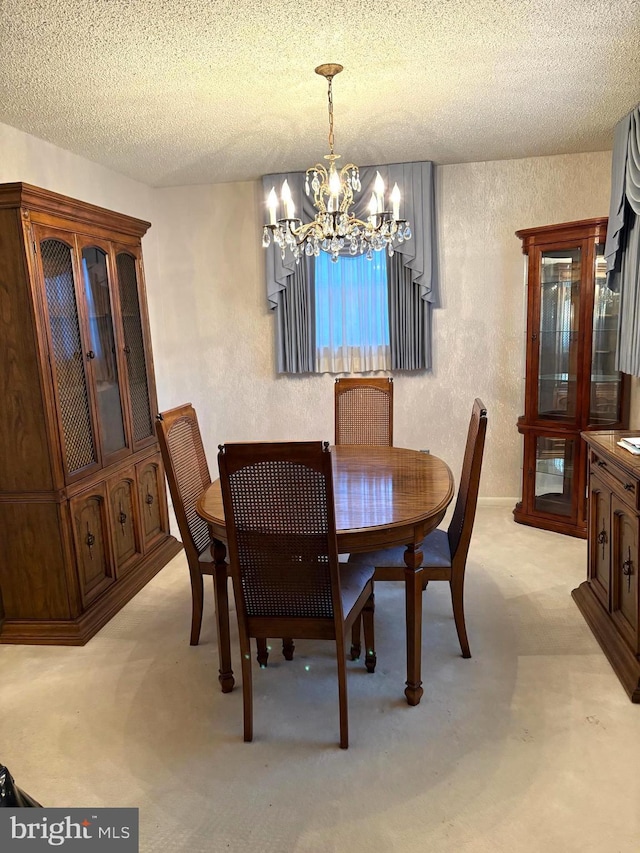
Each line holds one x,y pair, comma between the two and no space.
204,91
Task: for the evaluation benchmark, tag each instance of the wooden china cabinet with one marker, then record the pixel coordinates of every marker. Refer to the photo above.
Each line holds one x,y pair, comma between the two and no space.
571,382
83,509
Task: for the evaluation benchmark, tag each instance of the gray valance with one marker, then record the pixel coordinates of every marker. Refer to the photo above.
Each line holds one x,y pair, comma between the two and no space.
622,249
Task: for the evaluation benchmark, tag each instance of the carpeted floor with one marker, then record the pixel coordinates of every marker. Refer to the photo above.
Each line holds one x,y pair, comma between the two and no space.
531,745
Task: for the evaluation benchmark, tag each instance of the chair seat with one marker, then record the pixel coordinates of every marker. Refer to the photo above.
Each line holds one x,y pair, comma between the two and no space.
436,554
353,580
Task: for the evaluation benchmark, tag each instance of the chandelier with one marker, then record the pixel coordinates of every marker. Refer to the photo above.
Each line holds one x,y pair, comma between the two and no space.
335,228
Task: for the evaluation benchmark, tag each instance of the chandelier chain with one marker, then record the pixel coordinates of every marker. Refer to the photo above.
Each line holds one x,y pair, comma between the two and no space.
330,98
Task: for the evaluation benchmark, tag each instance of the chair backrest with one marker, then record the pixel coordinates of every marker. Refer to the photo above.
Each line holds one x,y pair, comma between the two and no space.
464,513
279,516
187,472
364,411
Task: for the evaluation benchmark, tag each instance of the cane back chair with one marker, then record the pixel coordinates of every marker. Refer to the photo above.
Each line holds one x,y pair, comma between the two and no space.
364,411
283,553
187,472
444,551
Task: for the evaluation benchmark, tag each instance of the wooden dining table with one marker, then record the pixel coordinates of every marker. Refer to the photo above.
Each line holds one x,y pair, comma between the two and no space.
384,496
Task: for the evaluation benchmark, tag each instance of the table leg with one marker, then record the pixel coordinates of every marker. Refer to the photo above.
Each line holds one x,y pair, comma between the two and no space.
413,602
225,676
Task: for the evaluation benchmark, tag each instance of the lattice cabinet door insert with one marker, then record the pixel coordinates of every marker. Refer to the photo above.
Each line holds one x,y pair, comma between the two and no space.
134,346
68,353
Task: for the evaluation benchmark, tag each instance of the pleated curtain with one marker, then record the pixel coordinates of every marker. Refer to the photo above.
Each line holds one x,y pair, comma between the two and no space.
622,249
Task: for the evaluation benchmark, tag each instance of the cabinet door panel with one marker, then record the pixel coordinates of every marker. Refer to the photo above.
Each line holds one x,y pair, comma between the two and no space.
560,290
624,572
91,539
135,348
599,539
123,502
68,355
556,470
153,509
103,354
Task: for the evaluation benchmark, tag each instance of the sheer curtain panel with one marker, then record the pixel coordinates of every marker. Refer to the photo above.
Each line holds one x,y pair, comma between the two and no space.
352,321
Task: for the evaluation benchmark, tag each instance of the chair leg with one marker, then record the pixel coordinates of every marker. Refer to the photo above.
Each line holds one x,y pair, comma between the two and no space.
342,693
456,585
355,639
197,597
288,647
263,652
247,686
225,672
369,635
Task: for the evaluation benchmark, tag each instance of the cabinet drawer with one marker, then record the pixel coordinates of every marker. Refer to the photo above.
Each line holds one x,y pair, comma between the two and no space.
621,482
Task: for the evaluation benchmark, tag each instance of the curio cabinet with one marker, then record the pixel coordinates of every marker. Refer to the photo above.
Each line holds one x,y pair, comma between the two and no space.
571,382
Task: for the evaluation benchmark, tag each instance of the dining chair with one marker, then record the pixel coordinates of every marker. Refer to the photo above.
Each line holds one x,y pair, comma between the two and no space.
444,551
364,411
279,511
187,473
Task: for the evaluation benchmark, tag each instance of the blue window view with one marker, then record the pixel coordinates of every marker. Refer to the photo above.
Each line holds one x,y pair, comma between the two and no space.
351,301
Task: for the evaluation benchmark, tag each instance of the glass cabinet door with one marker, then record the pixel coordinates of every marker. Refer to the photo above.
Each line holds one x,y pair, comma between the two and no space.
604,399
554,475
68,357
558,333
102,351
134,347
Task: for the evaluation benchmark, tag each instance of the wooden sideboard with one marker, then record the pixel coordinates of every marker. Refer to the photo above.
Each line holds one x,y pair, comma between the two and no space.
609,598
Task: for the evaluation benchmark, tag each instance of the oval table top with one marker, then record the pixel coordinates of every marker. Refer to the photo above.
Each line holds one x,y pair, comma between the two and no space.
383,496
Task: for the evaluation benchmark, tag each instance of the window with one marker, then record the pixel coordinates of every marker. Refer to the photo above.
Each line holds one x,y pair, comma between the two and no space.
352,314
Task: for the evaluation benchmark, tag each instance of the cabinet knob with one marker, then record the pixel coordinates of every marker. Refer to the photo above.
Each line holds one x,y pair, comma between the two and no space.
127,350
601,463
602,537
149,498
91,354
629,487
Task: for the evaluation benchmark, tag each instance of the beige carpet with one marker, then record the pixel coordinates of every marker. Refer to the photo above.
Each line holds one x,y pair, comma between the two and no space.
531,745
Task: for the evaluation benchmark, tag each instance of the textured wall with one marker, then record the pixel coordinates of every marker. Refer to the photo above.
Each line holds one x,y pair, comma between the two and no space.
213,335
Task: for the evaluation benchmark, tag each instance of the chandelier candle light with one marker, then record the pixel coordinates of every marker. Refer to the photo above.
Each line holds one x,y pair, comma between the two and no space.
334,227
